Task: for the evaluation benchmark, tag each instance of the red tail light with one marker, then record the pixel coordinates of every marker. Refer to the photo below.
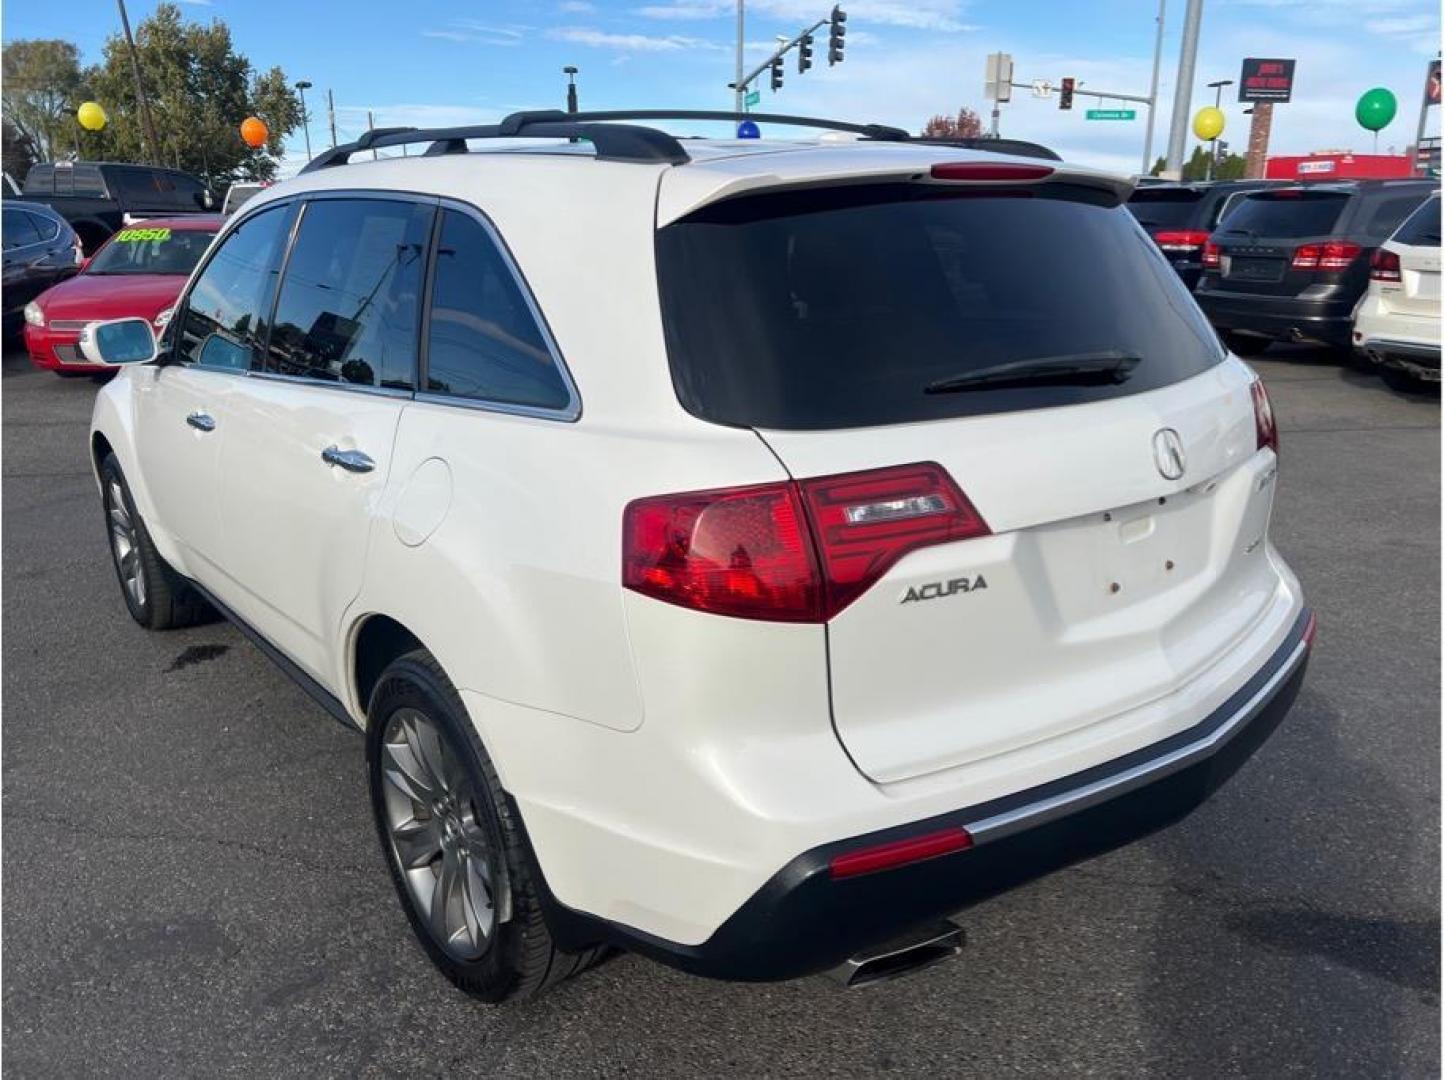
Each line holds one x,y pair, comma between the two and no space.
1384,266
1333,255
900,852
1180,239
1210,255
799,551
1263,417
984,170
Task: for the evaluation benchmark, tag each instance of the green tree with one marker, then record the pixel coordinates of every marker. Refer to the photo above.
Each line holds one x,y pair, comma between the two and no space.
19,154
41,91
200,89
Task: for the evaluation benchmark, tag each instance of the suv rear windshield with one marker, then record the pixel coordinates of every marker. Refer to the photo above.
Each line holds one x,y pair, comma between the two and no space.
1422,227
836,308
1286,214
1165,208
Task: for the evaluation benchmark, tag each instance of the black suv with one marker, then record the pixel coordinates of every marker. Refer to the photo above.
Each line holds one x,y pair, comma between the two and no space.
98,197
1290,263
1179,217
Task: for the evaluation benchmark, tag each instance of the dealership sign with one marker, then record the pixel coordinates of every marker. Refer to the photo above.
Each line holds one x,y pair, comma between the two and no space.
1266,80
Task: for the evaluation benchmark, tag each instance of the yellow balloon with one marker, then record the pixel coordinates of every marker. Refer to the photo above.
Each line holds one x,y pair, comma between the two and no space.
1208,123
91,116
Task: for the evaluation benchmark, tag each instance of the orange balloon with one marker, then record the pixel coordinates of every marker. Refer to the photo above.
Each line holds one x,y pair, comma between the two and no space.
254,132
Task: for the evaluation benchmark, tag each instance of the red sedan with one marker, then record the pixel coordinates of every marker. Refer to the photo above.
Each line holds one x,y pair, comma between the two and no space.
140,271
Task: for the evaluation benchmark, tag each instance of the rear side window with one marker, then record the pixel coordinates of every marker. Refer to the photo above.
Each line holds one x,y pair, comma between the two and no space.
1422,227
19,229
1286,215
226,310
350,300
46,228
1386,214
484,339
1166,208
838,308
40,180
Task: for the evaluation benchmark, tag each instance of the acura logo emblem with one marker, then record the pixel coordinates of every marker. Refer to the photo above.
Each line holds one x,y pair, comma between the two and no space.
1168,453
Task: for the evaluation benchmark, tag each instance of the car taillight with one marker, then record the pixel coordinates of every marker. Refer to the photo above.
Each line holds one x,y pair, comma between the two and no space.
1180,239
1333,255
900,852
1210,255
985,170
1384,265
798,551
1265,425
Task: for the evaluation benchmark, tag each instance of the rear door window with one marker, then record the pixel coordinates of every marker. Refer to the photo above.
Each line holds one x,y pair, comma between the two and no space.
224,321
485,341
1286,215
46,228
839,307
1165,208
19,229
350,301
1422,227
1386,214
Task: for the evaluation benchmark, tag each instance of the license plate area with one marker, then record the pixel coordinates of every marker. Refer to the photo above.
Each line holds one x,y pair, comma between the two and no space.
1252,268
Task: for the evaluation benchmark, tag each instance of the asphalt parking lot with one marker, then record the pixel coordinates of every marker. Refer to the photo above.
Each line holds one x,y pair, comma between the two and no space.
192,886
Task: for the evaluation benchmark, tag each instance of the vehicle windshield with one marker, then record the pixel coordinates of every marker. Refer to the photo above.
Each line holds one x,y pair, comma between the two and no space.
1286,214
839,307
1165,208
141,250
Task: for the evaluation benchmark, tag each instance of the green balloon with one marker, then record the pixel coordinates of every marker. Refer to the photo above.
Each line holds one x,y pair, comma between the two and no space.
1376,109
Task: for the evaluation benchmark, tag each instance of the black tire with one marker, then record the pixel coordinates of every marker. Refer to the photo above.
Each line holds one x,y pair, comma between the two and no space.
164,600
519,958
1246,344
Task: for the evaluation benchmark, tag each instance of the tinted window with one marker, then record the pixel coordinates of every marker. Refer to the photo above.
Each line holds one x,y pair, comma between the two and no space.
146,187
18,229
46,228
350,301
1286,214
139,249
86,180
837,308
485,341
40,180
1422,228
1386,214
227,307
1165,208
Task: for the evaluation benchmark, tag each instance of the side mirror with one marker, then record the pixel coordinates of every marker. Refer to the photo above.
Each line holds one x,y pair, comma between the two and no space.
120,341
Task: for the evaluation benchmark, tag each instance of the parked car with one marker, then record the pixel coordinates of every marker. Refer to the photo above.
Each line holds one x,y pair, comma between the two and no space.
1290,263
843,567
1180,216
137,272
40,249
1396,324
237,195
99,197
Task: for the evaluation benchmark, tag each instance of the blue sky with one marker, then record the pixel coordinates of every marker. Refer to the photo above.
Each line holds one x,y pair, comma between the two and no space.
433,62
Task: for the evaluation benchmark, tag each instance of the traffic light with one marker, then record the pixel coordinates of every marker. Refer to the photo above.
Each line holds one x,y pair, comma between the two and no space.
804,53
776,74
835,33
1065,93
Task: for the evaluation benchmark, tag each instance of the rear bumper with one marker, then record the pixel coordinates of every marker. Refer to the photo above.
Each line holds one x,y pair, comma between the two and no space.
802,920
1281,317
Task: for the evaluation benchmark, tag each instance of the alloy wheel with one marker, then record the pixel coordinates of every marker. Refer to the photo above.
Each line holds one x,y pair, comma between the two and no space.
123,544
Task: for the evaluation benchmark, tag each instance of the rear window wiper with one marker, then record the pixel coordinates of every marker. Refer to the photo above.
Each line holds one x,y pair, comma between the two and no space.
1110,366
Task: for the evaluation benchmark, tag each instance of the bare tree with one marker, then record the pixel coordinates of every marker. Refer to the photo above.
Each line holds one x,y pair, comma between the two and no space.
966,125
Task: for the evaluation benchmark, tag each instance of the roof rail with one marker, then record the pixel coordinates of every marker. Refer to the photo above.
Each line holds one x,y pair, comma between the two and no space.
627,142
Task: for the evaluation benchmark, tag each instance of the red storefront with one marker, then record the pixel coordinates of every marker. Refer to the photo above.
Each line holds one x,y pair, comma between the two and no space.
1339,166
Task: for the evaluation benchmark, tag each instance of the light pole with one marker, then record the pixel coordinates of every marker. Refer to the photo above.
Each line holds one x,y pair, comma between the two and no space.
1183,89
301,88
1217,88
571,74
1153,88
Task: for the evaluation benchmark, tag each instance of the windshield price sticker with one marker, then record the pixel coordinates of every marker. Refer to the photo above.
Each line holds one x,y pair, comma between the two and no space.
136,236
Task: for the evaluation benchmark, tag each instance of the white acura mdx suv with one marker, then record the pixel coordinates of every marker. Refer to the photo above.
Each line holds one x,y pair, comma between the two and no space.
747,554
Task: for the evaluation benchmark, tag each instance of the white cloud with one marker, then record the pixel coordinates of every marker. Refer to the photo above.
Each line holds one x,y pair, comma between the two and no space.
601,39
477,33
913,14
576,7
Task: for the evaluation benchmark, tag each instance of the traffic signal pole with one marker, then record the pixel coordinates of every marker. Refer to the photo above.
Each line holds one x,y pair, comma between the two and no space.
740,85
773,63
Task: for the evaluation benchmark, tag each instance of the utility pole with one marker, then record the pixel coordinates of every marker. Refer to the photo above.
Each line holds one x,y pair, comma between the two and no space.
331,113
147,125
1183,89
740,87
1153,91
301,88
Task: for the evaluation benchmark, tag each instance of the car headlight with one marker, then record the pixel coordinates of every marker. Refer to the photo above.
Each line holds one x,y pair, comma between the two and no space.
33,315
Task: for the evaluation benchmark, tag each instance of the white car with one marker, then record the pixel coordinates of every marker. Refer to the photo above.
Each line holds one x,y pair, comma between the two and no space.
743,553
1396,322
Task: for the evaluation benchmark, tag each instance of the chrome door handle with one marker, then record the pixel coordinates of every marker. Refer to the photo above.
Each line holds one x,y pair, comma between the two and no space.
201,421
350,460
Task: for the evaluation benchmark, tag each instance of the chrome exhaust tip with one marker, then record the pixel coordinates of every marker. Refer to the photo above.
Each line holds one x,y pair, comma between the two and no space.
929,945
